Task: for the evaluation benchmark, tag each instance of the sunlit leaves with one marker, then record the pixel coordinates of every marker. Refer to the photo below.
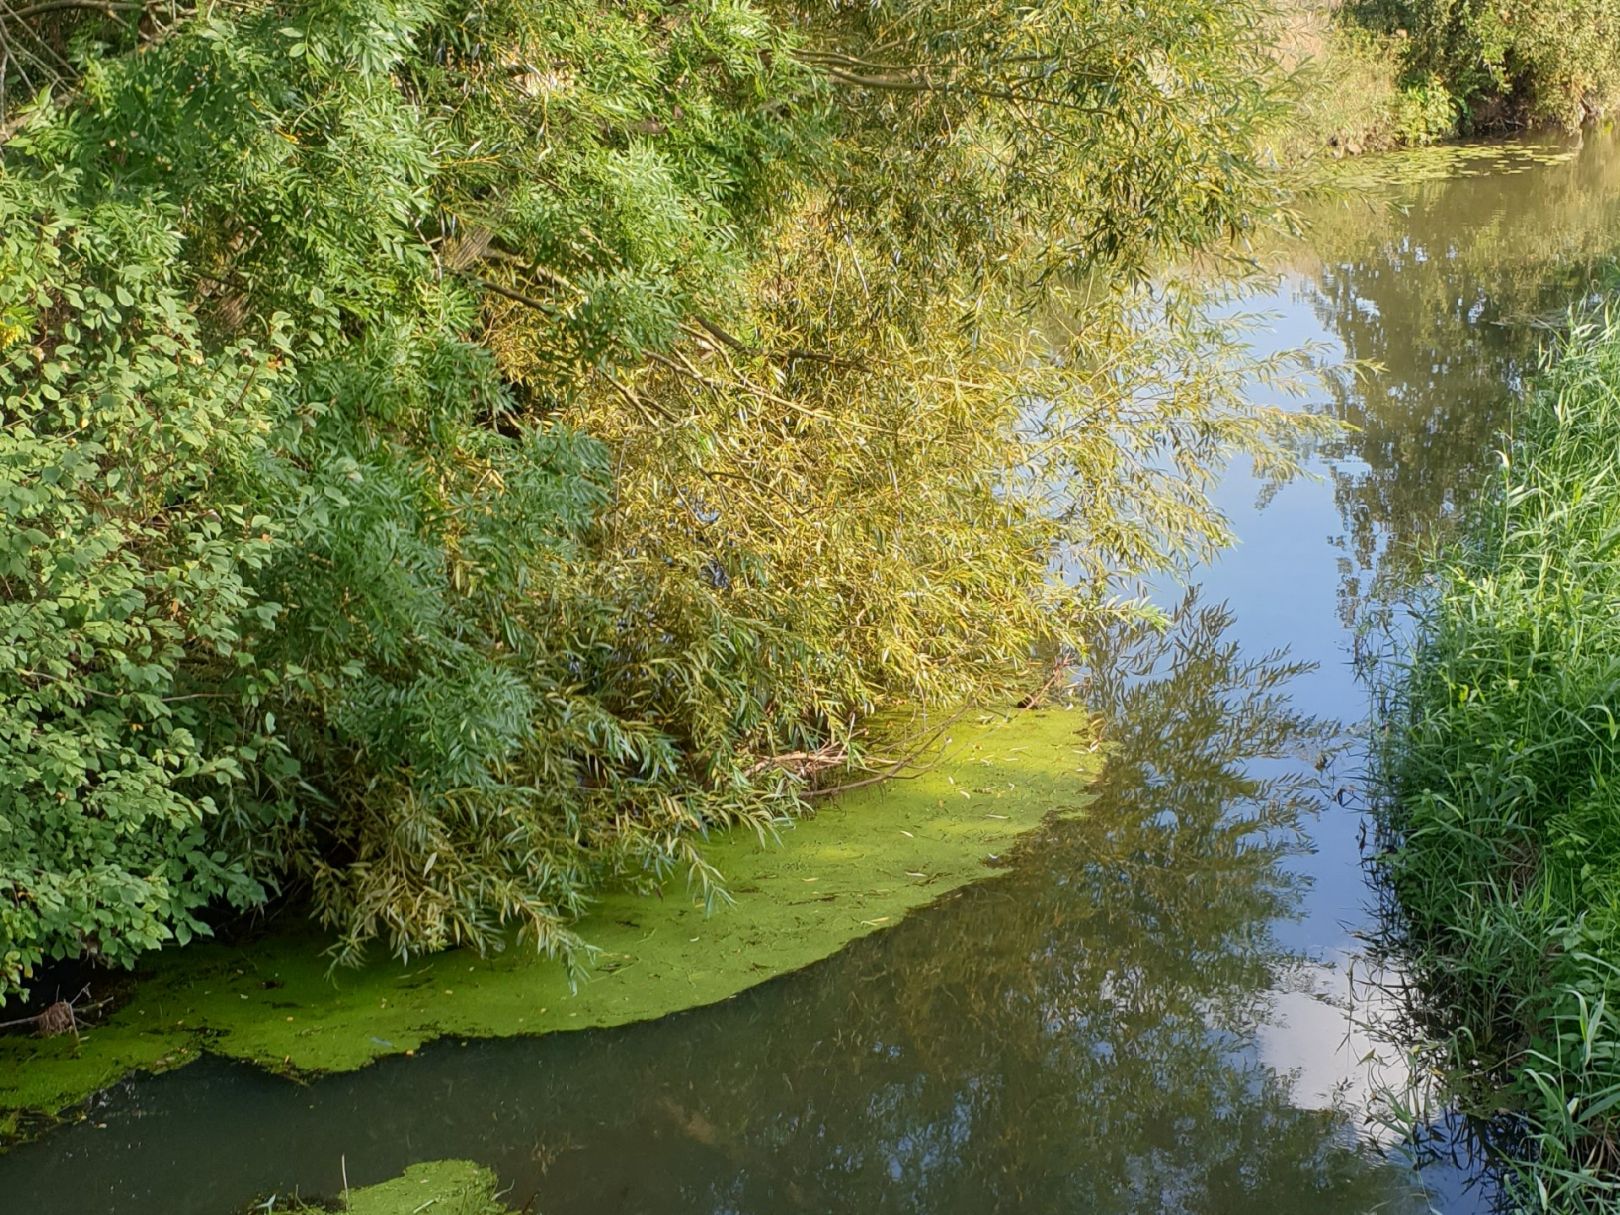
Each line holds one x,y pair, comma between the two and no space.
125,584
1542,60
628,395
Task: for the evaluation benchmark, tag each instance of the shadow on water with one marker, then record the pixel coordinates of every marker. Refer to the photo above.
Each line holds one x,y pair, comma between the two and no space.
1151,1012
1080,1035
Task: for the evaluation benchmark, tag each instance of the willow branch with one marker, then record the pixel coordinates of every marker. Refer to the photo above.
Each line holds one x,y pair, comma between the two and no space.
636,401
517,297
894,770
924,84
725,338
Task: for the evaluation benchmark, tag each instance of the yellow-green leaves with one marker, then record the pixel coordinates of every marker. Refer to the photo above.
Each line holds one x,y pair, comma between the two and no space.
593,412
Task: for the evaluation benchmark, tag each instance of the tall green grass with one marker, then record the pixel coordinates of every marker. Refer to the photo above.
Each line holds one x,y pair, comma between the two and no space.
1501,812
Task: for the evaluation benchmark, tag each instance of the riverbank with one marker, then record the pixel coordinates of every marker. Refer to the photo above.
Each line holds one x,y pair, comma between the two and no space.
578,472
1374,75
858,865
1501,772
1150,1001
1351,96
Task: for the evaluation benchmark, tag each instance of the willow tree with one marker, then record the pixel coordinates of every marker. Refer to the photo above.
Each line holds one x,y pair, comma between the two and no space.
605,408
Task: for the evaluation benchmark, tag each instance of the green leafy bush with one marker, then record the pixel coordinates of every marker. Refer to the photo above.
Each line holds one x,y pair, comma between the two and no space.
1425,112
127,566
568,422
1508,61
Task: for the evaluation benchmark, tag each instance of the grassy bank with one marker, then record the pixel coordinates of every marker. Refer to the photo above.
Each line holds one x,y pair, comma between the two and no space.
1502,812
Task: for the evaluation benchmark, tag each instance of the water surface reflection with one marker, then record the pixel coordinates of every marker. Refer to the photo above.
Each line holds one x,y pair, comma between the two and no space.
1083,1034
1447,289
1149,1013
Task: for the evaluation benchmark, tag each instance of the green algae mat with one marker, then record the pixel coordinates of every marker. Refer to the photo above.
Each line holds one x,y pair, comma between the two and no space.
439,1187
856,866
1444,162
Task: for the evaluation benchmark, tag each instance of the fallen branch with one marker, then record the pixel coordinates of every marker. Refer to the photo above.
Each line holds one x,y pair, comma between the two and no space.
894,770
62,1017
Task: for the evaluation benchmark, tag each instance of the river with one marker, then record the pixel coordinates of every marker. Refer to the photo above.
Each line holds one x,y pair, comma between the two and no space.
1157,1009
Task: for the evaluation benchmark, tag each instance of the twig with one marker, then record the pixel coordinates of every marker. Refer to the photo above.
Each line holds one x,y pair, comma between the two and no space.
1033,700
891,772
54,6
638,402
58,1018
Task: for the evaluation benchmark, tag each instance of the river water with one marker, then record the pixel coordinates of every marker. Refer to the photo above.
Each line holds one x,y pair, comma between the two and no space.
1157,1009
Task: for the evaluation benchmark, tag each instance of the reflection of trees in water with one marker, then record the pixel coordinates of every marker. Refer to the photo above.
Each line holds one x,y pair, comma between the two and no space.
1078,1036
1446,295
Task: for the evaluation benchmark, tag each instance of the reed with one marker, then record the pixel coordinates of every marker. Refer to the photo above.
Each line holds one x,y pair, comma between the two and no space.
1500,766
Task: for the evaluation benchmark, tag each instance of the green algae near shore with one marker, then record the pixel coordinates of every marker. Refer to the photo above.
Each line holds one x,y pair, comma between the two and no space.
858,865
444,1187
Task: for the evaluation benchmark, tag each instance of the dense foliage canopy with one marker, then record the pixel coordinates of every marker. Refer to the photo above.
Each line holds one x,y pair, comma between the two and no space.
458,452
1504,62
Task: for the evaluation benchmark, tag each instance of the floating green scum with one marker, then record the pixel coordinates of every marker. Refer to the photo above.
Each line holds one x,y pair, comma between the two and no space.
860,864
443,1187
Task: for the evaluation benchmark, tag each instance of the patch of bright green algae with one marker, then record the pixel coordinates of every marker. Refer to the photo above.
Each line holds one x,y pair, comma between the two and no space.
1443,162
442,1187
858,865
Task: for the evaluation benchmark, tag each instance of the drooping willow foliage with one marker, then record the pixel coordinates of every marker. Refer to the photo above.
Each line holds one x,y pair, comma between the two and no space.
456,453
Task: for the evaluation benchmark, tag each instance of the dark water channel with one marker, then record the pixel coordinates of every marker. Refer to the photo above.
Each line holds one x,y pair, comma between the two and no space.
1154,1010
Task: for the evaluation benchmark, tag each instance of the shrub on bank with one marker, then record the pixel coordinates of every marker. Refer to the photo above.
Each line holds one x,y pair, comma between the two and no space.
454,456
1501,764
1378,74
1350,95
1524,62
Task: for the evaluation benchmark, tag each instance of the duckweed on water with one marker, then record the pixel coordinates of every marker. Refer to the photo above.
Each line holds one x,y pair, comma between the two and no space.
859,865
442,1187
1357,175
